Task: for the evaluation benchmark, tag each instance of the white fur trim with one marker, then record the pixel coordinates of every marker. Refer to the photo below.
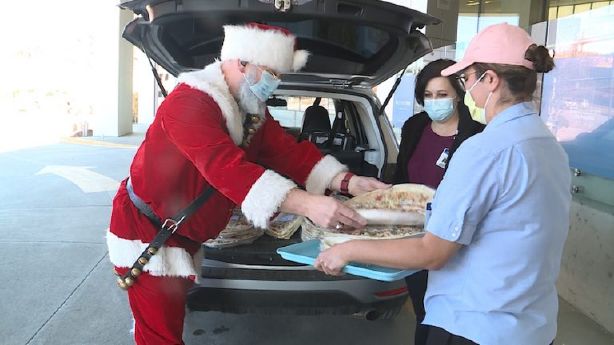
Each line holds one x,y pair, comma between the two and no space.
270,48
322,174
265,197
210,80
168,261
300,59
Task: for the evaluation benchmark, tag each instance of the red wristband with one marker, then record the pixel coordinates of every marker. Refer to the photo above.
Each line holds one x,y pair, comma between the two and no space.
345,183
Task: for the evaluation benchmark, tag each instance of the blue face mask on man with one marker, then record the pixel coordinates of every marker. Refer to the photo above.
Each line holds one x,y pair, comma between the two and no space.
265,87
439,110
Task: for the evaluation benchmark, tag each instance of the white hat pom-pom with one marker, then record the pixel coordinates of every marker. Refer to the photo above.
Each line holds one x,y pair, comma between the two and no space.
300,59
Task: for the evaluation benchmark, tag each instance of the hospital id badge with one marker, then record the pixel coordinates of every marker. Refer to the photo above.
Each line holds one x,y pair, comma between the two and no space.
427,213
443,159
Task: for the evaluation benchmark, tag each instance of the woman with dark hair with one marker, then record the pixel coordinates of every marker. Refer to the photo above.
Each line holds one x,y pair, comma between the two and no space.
428,142
430,138
499,220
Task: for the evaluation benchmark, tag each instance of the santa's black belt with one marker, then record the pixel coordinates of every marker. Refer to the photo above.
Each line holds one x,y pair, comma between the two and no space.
167,227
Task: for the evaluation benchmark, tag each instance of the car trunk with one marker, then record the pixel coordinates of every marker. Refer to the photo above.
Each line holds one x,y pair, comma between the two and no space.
353,43
261,252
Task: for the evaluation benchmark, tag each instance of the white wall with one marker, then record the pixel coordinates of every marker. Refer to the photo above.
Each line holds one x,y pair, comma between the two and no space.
144,87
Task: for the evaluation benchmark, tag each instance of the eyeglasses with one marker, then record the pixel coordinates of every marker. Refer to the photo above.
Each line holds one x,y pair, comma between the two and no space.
275,75
462,78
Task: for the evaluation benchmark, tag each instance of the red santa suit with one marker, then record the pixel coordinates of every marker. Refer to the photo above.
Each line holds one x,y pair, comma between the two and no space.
195,142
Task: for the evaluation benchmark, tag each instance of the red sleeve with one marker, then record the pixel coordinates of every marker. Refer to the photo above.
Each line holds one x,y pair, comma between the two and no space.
302,162
194,123
282,153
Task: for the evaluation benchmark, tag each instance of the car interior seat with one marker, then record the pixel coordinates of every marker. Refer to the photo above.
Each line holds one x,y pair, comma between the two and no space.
316,124
335,139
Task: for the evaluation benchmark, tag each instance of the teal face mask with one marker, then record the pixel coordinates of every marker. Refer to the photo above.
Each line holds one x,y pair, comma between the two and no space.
439,110
265,87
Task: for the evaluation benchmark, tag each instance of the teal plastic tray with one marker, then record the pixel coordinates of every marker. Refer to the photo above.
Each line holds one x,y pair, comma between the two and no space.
307,252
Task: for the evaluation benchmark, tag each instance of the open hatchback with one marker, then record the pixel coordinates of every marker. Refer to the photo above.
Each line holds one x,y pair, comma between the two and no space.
354,46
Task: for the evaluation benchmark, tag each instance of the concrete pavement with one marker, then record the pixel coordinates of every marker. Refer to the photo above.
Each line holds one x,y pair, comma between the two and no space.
58,288
57,284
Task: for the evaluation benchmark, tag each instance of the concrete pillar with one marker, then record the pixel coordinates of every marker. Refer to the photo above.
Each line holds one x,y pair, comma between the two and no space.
124,77
113,108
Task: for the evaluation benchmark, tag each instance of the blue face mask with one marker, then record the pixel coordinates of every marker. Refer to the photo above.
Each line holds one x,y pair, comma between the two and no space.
439,110
265,87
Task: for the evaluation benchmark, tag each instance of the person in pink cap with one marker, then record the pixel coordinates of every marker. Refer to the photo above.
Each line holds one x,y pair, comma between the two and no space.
213,146
500,217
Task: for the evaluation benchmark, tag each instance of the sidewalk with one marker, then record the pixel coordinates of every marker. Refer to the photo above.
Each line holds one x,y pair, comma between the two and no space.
132,140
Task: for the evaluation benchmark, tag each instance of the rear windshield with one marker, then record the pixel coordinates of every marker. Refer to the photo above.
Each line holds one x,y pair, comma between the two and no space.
291,115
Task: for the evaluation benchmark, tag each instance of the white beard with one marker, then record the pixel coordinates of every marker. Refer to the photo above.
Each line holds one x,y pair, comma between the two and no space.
248,102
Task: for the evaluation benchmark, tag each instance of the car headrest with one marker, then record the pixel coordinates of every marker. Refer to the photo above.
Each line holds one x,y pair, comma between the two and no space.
316,119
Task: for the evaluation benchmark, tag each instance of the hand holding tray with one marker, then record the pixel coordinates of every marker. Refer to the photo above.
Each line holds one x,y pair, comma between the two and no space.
307,252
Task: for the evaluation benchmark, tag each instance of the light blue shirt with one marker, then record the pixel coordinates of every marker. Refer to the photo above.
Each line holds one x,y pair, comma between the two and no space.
505,198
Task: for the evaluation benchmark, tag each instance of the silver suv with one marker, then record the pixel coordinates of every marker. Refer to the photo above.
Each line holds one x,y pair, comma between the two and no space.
354,45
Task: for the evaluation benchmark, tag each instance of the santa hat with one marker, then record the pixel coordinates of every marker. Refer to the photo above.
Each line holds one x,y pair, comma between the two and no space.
265,45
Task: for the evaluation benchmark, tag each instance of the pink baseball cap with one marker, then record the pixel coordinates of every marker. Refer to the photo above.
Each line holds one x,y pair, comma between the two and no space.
499,43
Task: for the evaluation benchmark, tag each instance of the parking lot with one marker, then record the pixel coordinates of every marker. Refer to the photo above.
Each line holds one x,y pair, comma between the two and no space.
58,287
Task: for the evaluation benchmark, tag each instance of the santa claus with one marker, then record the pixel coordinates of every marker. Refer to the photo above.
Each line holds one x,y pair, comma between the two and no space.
213,133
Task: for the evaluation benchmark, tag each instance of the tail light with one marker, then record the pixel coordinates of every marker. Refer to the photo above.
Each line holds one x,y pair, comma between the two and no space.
391,293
